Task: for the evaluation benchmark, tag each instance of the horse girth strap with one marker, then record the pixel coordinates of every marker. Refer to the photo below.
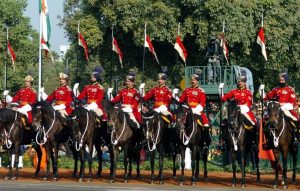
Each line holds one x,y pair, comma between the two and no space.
248,127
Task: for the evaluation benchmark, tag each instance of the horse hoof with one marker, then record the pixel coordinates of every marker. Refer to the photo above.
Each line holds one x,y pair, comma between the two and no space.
89,179
45,178
152,181
243,186
181,183
193,183
14,178
161,182
285,187
55,179
80,180
205,179
125,181
7,178
233,185
174,177
275,186
138,176
111,181
74,175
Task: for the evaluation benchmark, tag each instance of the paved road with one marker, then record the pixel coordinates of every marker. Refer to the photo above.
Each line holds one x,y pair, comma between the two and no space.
62,186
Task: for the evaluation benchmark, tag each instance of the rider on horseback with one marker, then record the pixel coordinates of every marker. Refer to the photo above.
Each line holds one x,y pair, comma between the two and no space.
195,97
26,97
62,96
243,96
286,96
129,98
162,96
94,94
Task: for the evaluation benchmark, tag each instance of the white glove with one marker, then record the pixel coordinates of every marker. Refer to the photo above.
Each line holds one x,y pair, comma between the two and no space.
244,109
91,106
5,93
8,99
75,89
175,91
24,109
59,107
109,93
221,85
142,85
261,90
42,89
261,87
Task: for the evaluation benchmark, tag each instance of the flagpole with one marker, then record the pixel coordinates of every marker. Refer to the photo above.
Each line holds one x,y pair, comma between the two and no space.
77,53
111,68
262,79
40,59
263,64
5,64
144,52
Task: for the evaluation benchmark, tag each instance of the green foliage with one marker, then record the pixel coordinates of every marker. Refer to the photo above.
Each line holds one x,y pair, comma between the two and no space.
199,20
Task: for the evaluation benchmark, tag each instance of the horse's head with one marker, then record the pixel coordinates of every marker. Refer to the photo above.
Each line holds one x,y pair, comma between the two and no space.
39,111
79,119
233,114
274,112
113,116
182,116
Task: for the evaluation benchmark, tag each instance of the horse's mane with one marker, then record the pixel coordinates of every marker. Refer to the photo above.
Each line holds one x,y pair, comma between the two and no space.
46,107
79,111
7,115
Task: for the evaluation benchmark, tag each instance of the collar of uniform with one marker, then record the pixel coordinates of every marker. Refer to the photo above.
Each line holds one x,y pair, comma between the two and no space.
129,88
94,83
242,88
63,85
196,86
161,86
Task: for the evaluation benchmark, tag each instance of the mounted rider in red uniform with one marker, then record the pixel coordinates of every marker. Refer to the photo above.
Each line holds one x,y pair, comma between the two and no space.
129,98
62,96
243,97
25,97
195,98
94,94
161,95
286,96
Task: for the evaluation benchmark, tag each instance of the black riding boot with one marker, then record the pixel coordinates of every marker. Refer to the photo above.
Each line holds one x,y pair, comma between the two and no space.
269,144
131,123
206,138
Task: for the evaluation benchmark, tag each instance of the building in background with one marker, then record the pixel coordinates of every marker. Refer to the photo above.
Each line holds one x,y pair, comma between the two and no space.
62,51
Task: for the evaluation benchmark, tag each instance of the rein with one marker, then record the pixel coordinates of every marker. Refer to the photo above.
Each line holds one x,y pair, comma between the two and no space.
8,142
115,142
42,142
78,146
154,142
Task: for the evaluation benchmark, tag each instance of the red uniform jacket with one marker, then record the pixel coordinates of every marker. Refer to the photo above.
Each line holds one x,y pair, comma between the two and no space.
162,96
130,96
62,95
26,96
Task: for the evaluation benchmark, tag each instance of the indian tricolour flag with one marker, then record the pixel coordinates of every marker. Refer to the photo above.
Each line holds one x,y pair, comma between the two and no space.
45,21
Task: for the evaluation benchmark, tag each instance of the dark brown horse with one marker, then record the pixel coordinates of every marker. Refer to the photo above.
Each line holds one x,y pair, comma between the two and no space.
155,131
281,133
240,137
191,135
122,136
51,132
13,129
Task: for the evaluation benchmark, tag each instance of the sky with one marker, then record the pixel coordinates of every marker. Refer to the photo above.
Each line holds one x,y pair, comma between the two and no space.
55,8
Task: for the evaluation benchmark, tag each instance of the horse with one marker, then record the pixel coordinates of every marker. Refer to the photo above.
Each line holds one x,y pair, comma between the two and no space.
240,136
51,132
122,135
281,132
13,128
155,131
191,135
86,134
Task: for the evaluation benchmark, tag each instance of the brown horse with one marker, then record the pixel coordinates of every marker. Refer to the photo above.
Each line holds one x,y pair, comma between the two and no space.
12,127
281,132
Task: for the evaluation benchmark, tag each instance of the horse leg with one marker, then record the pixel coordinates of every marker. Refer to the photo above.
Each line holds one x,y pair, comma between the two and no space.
130,164
194,155
17,151
243,164
284,164
174,165
138,172
9,173
113,159
99,155
257,166
182,164
75,156
39,155
82,161
126,161
161,163
276,152
46,177
294,155
204,156
197,165
55,163
233,181
90,161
